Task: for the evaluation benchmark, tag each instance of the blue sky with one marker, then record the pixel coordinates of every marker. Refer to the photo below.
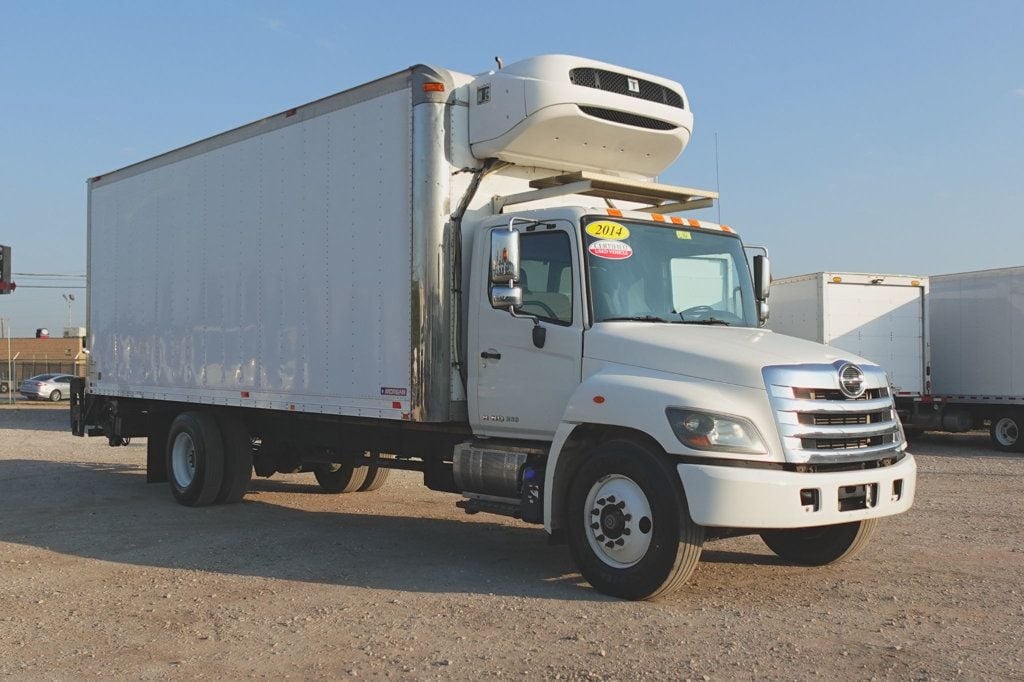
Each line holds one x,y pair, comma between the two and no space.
858,136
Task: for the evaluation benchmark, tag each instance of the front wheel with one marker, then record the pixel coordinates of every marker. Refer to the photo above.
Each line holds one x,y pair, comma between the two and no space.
1006,432
822,545
629,527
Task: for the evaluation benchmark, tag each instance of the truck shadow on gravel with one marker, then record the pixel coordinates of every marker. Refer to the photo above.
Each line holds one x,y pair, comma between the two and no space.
968,445
108,512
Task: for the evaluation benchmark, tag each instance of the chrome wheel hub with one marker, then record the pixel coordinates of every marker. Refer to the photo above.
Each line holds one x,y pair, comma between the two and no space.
618,520
1007,432
183,460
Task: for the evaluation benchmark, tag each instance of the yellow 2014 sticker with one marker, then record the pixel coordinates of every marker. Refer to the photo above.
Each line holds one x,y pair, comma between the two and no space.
683,234
606,229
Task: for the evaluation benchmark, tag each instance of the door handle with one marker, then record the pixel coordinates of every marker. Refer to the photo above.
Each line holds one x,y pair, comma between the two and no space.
490,355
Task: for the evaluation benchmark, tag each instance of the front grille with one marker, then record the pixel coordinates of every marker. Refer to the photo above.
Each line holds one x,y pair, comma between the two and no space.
836,394
818,423
620,83
844,419
628,119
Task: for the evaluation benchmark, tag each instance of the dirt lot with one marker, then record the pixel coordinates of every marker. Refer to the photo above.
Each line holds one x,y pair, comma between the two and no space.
103,574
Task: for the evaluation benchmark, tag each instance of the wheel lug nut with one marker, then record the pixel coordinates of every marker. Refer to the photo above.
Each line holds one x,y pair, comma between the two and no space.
626,531
620,542
602,501
611,498
609,544
595,525
595,511
628,517
600,538
622,504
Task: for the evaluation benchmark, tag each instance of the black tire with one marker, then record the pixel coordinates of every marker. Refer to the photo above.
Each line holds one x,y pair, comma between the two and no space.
822,545
675,541
55,396
199,431
376,475
237,460
1007,431
5,387
340,478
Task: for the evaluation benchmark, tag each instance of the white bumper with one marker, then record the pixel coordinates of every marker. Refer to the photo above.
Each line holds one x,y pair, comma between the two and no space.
735,497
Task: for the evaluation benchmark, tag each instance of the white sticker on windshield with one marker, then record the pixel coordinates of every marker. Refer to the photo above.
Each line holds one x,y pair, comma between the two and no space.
611,250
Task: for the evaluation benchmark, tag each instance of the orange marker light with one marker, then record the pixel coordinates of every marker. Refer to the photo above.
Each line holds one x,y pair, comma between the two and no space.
658,218
677,220
693,223
726,228
615,212
433,87
837,280
599,399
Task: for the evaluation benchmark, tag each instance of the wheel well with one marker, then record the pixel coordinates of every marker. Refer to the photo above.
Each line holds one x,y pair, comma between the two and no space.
575,451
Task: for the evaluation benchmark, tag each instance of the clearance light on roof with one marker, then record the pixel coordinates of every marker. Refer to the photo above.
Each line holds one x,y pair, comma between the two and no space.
837,280
433,87
615,212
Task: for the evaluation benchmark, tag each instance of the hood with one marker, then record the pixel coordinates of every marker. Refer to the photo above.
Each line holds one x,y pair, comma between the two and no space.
732,355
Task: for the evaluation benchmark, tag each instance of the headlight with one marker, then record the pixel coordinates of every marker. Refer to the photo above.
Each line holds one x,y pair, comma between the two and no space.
711,431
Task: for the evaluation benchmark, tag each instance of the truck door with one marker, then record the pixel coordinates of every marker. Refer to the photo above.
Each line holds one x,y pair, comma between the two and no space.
522,390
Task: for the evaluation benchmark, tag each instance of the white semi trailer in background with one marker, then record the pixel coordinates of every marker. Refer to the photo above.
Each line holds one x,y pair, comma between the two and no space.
953,345
475,277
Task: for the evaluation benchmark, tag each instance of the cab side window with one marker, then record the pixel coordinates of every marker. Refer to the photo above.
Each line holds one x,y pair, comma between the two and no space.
545,276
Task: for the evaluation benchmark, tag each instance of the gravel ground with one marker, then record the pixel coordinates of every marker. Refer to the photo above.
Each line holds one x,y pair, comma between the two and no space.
103,574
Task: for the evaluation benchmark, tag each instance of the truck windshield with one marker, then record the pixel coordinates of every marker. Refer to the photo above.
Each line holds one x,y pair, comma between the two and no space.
652,273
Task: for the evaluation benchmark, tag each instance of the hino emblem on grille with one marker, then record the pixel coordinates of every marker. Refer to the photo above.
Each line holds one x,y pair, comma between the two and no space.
851,380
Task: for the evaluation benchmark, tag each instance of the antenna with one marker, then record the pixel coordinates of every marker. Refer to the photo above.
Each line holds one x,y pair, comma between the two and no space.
718,183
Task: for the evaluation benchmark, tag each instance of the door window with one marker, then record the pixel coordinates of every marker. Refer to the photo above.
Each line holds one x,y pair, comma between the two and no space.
545,276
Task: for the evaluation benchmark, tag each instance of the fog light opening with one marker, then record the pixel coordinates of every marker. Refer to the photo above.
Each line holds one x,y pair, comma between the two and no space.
810,499
897,490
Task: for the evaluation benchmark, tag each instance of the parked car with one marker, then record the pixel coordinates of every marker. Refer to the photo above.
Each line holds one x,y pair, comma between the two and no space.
46,386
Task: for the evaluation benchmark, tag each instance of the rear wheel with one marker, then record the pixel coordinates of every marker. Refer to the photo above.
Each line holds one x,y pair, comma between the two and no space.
1006,431
822,545
5,387
195,459
340,478
376,475
629,527
55,396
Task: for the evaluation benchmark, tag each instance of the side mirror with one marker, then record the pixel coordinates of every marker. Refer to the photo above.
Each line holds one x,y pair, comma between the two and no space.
762,312
506,298
762,278
504,257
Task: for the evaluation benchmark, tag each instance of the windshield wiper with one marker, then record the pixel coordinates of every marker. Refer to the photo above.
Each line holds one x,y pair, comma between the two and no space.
635,318
707,320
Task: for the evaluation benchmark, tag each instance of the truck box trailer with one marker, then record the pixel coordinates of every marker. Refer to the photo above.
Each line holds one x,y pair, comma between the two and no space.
977,365
476,278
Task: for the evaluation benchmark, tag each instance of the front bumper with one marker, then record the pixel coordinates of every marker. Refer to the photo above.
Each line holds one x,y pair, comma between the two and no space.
735,497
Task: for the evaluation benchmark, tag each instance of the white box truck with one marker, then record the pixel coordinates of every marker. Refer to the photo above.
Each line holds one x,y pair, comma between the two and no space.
475,277
977,338
881,317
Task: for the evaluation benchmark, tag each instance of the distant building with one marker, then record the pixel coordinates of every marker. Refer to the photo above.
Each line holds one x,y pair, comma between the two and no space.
43,356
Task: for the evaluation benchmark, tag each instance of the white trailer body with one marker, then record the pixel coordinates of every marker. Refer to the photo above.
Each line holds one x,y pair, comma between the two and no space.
475,277
879,317
977,327
977,331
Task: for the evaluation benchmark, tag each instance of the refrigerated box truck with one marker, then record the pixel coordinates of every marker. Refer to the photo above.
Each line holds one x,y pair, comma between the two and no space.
476,278
977,338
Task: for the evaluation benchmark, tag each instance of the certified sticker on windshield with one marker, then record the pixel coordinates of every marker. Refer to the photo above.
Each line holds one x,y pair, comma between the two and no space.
606,229
611,250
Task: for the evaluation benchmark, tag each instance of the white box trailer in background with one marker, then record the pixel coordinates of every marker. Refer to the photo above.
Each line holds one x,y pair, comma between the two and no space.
474,277
880,317
977,337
